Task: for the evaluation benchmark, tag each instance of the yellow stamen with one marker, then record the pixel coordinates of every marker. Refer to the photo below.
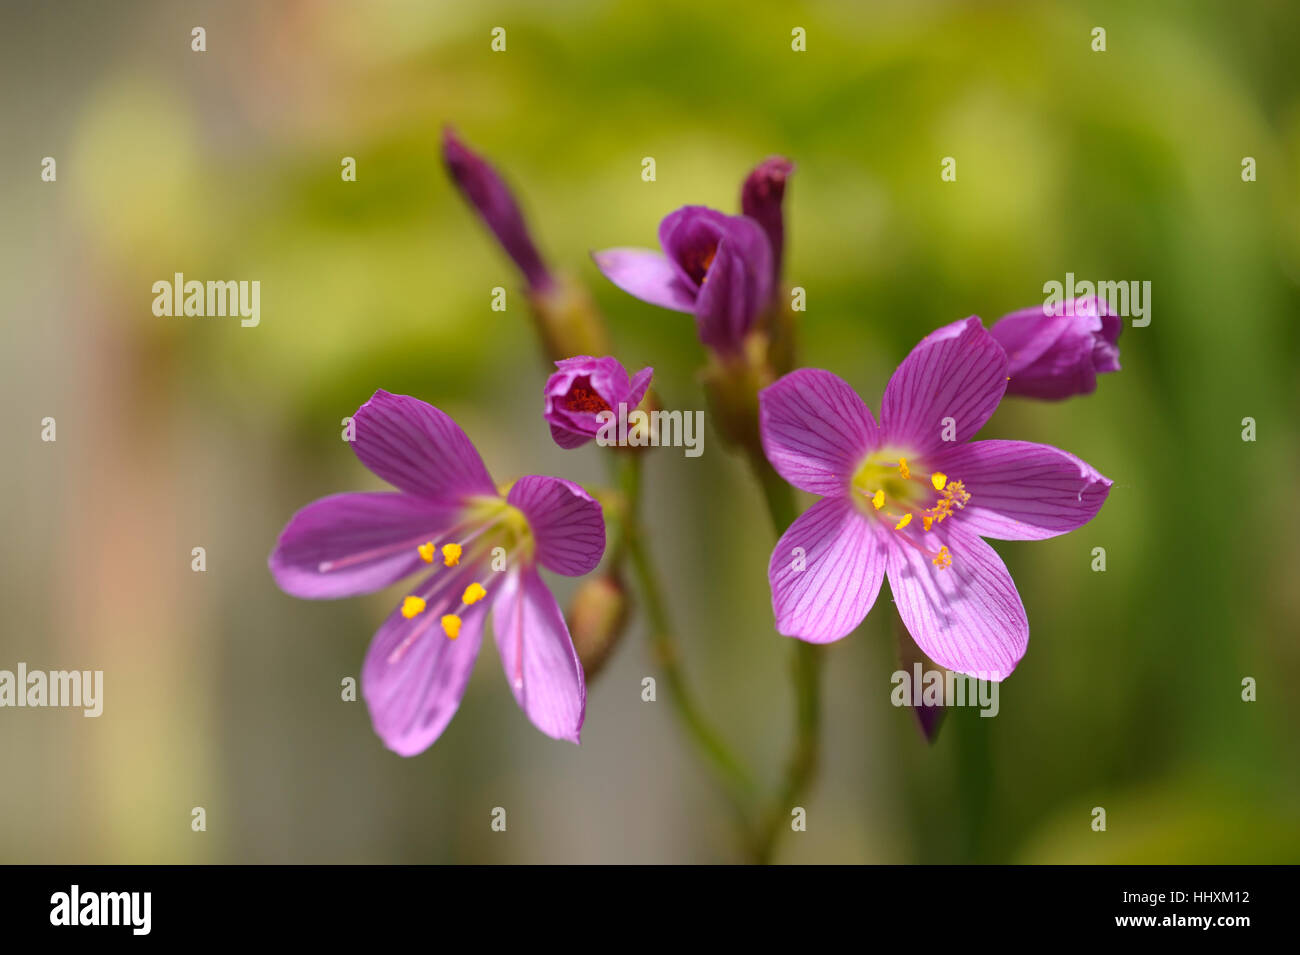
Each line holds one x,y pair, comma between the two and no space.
451,554
938,479
412,606
878,500
902,468
927,521
473,594
907,519
426,552
451,626
942,560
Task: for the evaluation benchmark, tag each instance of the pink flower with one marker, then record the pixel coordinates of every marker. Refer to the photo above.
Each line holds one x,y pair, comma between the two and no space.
912,499
583,388
481,548
714,266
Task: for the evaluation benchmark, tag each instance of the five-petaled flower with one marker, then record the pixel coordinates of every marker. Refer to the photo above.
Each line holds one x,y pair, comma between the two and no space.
1054,352
448,519
912,498
715,266
582,389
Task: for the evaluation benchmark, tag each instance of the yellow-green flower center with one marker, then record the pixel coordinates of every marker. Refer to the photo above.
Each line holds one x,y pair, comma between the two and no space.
884,488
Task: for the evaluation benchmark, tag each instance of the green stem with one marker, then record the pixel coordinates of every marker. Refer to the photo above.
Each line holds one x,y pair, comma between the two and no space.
709,745
805,675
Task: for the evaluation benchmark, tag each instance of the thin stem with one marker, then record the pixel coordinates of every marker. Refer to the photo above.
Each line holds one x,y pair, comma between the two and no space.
805,675
709,745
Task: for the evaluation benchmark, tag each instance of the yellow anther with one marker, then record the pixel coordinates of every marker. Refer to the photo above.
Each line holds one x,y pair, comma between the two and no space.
878,500
473,594
902,468
927,521
907,519
451,626
451,554
412,606
942,560
957,491
938,479
426,552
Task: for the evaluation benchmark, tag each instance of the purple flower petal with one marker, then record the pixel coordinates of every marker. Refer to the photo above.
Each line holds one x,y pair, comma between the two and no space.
826,571
638,386
414,675
537,654
967,617
689,237
1055,354
646,275
737,285
726,262
957,372
1023,491
815,430
567,524
418,449
350,544
568,438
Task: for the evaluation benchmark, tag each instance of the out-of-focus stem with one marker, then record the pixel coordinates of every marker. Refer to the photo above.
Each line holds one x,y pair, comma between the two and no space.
805,675
734,778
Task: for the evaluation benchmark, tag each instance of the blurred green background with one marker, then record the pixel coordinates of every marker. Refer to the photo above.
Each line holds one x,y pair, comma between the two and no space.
222,692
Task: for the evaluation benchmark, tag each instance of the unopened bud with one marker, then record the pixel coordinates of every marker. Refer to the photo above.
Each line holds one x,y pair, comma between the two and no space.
598,616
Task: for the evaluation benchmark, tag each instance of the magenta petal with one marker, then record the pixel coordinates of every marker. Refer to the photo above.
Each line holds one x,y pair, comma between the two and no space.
578,378
350,544
567,524
815,430
413,693
1023,491
825,571
957,372
638,386
419,449
967,617
567,438
736,287
646,275
537,654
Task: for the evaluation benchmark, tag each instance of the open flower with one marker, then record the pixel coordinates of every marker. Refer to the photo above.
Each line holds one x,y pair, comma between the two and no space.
481,549
583,388
1055,352
492,199
715,266
912,498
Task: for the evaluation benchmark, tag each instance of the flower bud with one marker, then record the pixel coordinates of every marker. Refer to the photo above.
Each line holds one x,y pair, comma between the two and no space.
491,198
760,199
585,387
1055,352
597,617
